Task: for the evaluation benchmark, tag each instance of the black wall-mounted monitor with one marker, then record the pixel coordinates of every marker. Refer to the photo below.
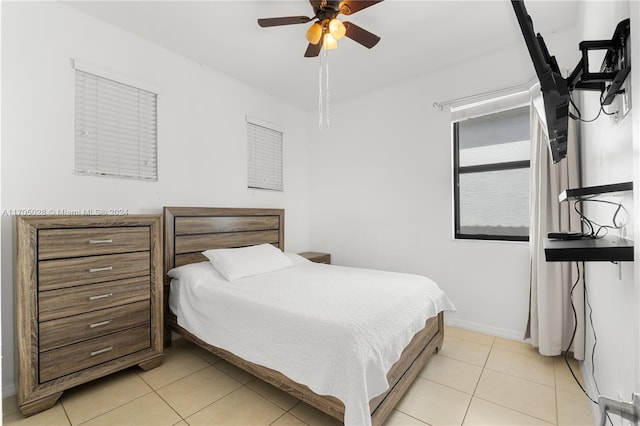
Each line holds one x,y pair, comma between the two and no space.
554,88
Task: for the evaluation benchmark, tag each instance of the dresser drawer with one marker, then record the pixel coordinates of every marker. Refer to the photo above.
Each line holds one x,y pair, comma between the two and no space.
69,330
93,269
78,242
72,358
66,302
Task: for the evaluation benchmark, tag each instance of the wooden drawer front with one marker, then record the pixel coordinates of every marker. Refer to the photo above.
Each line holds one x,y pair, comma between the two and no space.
69,330
88,298
77,242
72,358
93,269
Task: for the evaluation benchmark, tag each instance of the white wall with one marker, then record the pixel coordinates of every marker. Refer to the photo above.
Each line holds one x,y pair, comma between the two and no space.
201,126
609,151
381,189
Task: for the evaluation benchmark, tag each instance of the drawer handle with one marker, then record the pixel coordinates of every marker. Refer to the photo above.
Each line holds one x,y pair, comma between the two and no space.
100,296
101,351
100,324
100,241
106,268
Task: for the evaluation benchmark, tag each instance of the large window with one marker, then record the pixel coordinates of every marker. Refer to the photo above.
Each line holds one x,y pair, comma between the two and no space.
491,176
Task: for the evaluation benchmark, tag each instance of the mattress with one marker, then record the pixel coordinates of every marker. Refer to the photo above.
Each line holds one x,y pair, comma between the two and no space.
335,329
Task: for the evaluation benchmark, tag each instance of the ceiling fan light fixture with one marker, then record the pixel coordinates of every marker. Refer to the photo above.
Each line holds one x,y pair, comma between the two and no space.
314,33
325,29
329,42
337,29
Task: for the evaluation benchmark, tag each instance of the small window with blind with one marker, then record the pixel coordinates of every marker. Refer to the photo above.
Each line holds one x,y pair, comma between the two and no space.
491,175
115,129
264,149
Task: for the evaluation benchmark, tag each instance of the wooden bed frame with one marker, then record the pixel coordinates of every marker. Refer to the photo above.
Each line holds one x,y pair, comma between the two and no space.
191,230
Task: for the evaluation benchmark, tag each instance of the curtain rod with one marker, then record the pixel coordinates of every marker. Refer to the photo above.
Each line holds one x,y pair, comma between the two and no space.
488,95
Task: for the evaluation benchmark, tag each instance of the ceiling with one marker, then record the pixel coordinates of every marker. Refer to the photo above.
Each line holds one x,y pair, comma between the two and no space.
418,36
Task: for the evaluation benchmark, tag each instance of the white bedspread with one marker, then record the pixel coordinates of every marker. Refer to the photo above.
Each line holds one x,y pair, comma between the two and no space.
336,329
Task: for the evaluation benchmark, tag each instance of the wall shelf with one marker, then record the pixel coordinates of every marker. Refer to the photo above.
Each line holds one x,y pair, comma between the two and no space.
574,194
607,249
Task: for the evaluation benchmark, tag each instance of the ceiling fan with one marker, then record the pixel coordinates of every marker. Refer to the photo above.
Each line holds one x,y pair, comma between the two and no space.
327,30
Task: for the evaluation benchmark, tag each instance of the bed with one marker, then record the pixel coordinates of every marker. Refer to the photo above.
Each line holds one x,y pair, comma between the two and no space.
191,230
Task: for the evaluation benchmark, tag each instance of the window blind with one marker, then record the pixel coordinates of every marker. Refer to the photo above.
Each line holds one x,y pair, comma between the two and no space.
264,156
115,129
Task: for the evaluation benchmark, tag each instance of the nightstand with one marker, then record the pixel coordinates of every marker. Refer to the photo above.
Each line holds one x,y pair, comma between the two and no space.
317,257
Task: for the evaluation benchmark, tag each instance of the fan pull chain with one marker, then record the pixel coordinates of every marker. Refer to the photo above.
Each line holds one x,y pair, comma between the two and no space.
320,94
323,95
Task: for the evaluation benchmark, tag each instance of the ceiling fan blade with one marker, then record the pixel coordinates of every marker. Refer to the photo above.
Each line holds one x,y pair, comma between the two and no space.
361,35
285,20
314,49
349,7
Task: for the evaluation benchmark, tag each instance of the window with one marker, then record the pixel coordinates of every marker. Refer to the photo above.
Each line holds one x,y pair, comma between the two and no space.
264,148
115,128
491,175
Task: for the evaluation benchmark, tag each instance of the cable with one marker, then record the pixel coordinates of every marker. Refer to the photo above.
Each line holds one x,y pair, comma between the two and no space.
594,118
584,221
595,340
602,105
593,232
573,335
579,116
593,348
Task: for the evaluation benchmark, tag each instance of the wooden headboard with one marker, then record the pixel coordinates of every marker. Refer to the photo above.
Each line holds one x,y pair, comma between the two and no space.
188,231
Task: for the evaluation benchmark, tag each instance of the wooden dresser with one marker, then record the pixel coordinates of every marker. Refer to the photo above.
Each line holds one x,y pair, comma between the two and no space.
88,301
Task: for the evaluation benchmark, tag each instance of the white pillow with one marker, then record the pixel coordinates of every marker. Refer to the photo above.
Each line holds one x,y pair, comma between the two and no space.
194,272
243,262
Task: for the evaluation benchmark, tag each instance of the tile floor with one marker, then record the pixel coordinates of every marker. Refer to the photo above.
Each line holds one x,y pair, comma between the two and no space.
476,379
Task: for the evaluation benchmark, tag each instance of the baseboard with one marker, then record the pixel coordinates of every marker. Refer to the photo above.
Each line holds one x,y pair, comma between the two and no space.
486,329
9,390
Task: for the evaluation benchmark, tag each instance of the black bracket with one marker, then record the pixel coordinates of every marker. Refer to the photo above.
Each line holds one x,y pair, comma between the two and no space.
615,66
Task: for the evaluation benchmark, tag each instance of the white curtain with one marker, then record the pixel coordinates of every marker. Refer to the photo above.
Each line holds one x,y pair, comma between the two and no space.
551,317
